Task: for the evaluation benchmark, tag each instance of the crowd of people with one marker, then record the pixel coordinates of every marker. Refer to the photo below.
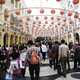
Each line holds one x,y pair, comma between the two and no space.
59,55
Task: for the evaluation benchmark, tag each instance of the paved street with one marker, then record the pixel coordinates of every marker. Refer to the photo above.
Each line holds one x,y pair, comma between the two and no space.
47,73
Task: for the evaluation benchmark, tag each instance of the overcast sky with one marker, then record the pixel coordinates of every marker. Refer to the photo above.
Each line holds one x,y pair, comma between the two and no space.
42,3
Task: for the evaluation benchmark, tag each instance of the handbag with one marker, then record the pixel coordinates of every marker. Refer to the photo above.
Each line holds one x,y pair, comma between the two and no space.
8,76
17,71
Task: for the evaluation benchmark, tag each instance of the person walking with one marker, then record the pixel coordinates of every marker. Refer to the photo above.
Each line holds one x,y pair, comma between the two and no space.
33,59
55,49
76,55
63,52
44,51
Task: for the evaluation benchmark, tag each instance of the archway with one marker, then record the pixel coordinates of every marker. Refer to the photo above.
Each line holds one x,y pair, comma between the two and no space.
5,39
16,39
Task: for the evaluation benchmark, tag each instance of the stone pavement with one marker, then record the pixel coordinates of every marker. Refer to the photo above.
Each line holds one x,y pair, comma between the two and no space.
46,73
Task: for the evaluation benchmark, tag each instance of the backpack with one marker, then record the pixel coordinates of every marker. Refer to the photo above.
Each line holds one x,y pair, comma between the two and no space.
34,57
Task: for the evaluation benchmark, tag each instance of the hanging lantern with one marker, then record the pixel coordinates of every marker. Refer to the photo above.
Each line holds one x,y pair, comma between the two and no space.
71,22
62,12
63,25
29,11
39,22
52,11
64,19
34,22
76,15
52,22
37,18
46,22
17,12
41,11
20,25
39,25
69,13
2,2
58,19
17,0
28,19
58,0
75,1
58,23
52,18
45,17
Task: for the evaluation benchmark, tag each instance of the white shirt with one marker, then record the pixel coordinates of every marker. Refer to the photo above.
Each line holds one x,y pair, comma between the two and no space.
44,48
63,50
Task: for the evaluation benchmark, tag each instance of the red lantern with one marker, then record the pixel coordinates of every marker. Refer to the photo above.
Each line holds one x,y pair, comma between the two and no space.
29,11
69,13
37,18
34,22
26,23
45,17
62,12
58,19
41,11
20,21
39,22
75,1
17,12
64,20
52,22
52,11
76,15
70,22
2,2
58,23
46,22
58,0
52,18
28,19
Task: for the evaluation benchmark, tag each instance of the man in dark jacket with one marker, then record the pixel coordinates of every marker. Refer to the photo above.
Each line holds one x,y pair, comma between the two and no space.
55,49
77,56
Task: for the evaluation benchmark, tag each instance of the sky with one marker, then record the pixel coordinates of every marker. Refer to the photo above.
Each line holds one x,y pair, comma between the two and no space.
42,3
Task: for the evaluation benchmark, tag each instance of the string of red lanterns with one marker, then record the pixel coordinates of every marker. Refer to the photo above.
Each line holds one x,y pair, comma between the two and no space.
2,2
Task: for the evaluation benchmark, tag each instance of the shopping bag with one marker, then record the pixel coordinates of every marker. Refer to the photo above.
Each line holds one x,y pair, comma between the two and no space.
17,69
17,72
8,76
